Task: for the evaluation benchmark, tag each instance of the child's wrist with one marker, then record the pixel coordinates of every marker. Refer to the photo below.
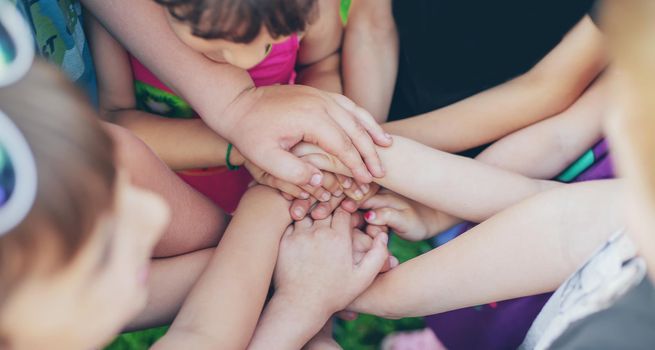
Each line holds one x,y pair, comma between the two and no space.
312,313
233,158
269,200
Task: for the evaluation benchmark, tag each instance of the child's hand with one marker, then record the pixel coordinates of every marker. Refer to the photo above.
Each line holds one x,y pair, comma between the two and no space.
317,256
320,158
409,219
330,187
349,200
265,122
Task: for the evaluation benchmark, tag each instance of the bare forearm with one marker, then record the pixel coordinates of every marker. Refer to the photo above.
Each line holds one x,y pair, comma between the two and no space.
547,89
528,249
459,186
226,302
180,143
545,149
286,325
370,56
323,75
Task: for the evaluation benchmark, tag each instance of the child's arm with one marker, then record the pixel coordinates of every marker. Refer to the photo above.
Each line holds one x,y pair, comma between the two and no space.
543,150
316,275
180,143
539,151
224,305
528,249
456,185
547,89
370,56
318,58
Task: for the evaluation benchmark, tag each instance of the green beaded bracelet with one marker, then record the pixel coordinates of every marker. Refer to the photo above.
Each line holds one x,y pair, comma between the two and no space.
230,166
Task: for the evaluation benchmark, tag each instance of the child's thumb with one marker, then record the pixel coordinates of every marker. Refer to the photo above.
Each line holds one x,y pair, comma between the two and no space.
386,217
285,166
372,262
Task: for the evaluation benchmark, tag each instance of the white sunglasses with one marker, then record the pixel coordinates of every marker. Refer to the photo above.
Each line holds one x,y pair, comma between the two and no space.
18,178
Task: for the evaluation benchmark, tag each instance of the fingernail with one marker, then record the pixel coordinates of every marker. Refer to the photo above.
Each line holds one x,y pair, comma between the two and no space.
358,195
304,195
370,215
325,197
316,180
385,239
393,262
347,183
299,212
338,193
365,176
387,136
365,188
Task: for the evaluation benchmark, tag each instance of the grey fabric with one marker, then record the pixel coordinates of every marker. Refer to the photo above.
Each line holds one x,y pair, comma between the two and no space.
628,324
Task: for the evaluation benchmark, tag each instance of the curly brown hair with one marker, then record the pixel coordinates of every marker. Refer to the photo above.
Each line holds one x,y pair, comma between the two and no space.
241,21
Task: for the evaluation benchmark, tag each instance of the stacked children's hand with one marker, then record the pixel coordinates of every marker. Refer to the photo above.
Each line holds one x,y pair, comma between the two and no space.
408,219
382,209
348,261
322,199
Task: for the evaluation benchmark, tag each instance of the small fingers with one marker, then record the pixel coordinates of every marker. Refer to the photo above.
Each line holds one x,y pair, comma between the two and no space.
300,207
361,241
303,224
319,193
323,210
331,184
374,230
367,121
344,181
384,216
286,187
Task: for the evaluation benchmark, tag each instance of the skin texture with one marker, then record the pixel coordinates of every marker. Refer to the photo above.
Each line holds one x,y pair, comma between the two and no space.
197,223
370,56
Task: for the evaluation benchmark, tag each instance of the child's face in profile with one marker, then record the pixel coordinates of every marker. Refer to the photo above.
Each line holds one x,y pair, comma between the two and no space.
89,300
244,56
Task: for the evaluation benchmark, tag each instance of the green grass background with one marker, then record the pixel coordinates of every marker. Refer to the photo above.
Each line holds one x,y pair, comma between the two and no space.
364,333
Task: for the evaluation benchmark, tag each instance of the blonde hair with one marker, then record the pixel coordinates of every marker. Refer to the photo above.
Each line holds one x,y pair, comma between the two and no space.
75,164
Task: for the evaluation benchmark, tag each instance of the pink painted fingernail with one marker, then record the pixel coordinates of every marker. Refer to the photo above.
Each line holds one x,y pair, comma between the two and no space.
369,216
325,197
347,183
300,212
338,193
365,188
304,195
316,180
393,262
